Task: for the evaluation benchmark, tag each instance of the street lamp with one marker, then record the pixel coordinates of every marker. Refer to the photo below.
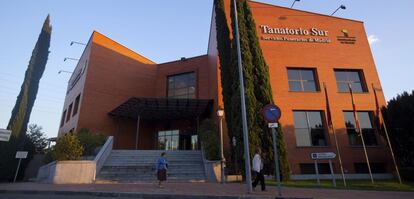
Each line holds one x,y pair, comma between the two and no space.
294,1
220,114
69,58
340,7
75,42
64,71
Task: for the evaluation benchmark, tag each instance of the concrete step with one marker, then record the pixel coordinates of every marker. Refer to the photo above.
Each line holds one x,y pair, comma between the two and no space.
151,169
130,165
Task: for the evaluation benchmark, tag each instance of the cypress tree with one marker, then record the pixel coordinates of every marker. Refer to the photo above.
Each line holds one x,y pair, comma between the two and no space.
228,77
23,108
263,93
27,96
249,84
257,85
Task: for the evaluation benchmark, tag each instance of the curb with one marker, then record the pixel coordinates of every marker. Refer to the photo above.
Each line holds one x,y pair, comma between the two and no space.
135,195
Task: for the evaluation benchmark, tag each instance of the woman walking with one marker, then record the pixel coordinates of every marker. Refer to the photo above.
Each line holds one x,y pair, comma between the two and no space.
161,167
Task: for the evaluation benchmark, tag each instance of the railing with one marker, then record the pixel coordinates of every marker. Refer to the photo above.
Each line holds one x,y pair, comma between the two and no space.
103,154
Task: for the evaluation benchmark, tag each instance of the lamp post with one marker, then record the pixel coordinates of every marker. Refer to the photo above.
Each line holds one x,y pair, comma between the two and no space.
243,106
220,114
340,7
64,71
75,42
294,1
69,58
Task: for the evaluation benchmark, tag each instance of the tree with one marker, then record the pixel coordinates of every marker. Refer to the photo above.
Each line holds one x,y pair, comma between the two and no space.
24,103
37,137
399,117
258,91
90,141
209,137
27,96
68,147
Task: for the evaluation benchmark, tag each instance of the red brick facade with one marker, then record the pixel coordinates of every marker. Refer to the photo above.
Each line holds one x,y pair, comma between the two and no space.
113,74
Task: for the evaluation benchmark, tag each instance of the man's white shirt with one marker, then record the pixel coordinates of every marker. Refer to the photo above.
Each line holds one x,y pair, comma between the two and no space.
257,163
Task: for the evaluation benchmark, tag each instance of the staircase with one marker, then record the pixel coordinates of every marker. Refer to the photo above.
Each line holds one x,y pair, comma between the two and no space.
139,165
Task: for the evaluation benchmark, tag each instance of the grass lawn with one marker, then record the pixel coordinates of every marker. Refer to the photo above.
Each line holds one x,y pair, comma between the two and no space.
379,185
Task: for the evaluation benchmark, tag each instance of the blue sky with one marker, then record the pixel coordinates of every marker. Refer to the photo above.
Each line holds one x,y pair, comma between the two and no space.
164,31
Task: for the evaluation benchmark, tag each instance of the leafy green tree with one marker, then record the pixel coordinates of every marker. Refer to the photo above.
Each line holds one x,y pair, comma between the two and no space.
90,141
37,137
399,117
68,147
210,140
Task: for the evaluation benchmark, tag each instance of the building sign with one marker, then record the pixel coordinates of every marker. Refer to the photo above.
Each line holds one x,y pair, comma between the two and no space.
312,35
346,39
323,156
5,135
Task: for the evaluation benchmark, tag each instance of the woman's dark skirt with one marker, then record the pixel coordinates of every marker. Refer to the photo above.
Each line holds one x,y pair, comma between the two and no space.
162,175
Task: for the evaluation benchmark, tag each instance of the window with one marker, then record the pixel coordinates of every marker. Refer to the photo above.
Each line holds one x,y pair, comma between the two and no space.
168,140
361,167
365,122
69,112
309,129
75,108
302,80
309,168
181,86
62,121
353,77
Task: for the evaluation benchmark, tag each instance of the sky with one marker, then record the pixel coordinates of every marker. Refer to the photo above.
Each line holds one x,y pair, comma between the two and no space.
164,31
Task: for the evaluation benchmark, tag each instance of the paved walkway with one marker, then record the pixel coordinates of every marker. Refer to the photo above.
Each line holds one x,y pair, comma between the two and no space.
197,189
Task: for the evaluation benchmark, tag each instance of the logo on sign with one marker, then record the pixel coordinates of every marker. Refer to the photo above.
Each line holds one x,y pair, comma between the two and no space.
346,39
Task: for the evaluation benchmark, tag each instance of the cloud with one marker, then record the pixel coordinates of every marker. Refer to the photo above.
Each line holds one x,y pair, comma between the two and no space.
372,39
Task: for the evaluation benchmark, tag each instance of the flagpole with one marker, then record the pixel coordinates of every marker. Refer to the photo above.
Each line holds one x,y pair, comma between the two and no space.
360,133
334,133
386,135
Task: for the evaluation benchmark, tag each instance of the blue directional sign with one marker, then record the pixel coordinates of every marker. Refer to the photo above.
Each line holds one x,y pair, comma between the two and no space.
271,113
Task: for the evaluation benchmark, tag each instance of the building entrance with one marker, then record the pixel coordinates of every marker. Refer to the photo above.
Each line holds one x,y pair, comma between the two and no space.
176,140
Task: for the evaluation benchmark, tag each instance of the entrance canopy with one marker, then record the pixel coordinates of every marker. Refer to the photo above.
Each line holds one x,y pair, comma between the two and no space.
162,108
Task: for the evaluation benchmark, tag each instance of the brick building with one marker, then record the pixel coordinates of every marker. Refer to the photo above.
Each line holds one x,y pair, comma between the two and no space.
148,105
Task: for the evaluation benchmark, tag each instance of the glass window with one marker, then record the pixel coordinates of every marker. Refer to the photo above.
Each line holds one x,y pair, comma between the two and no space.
181,86
365,122
309,168
353,77
309,128
168,140
376,167
302,80
62,121
69,112
75,108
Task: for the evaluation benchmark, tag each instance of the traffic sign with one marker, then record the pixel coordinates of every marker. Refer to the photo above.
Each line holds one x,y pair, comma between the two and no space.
273,125
271,113
5,135
21,154
323,156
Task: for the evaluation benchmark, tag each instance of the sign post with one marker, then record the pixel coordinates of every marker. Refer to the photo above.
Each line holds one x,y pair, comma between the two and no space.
272,114
324,156
5,135
19,155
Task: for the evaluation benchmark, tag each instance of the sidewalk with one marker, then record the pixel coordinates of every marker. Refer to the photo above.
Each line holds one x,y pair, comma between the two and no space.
194,190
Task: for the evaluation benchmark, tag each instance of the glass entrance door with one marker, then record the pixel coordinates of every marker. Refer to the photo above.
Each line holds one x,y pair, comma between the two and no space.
168,140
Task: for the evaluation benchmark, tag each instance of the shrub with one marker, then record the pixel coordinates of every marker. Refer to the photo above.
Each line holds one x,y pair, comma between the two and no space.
67,147
210,140
90,141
